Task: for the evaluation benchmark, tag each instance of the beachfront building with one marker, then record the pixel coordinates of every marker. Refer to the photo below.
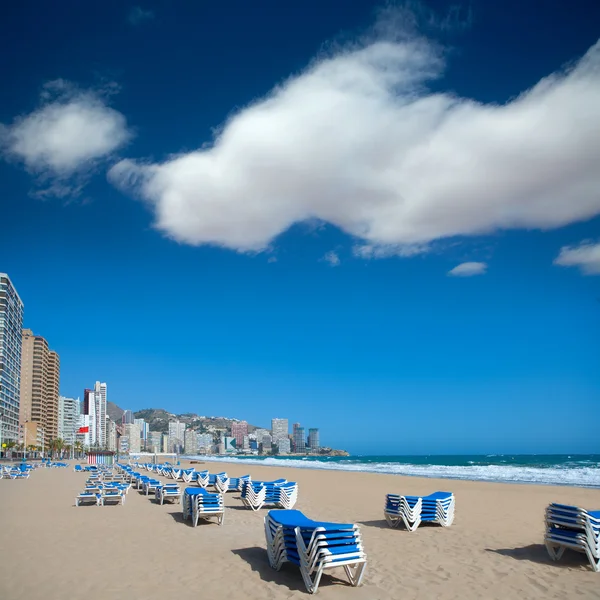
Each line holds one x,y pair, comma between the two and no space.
176,436
132,433
298,437
144,429
68,419
205,442
279,430
238,430
283,446
127,417
94,406
11,324
153,444
246,443
164,445
40,375
32,434
190,442
266,443
313,440
111,434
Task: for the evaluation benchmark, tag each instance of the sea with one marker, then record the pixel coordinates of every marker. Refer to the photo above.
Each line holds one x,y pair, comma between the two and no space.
581,470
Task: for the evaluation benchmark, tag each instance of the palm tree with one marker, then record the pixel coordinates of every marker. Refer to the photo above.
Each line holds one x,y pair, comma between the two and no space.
57,446
78,448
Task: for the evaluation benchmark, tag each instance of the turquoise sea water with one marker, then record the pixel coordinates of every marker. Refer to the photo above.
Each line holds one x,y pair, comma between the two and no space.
573,469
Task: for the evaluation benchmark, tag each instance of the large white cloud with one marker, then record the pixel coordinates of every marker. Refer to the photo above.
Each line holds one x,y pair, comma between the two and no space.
357,141
66,136
586,256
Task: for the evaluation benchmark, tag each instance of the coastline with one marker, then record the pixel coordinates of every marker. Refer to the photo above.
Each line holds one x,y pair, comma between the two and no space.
587,477
493,550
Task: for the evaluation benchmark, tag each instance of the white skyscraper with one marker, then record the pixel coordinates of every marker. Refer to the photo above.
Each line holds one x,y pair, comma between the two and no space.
11,324
176,436
94,406
279,429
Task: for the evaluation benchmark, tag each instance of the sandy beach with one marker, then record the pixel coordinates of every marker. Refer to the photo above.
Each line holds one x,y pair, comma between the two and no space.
52,550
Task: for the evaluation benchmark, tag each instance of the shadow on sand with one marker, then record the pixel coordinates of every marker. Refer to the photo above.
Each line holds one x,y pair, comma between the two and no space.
537,553
289,576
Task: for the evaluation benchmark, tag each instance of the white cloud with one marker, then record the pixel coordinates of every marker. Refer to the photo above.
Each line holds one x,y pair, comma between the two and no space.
65,137
586,256
137,14
356,141
468,269
332,258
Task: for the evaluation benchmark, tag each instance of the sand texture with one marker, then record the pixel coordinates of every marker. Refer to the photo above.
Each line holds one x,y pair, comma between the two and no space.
54,551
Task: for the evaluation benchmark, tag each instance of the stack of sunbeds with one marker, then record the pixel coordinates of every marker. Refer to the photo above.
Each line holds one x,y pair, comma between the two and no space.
574,528
200,504
231,484
281,493
202,478
314,546
100,494
414,510
167,491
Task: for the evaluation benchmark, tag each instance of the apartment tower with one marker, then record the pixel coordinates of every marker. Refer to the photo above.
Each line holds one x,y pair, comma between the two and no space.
40,378
11,324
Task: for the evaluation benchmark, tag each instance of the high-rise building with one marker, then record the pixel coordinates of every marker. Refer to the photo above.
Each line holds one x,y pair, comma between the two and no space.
132,431
176,436
279,429
111,434
238,430
283,446
154,442
127,417
68,419
205,442
298,438
313,439
40,375
94,406
11,324
144,429
266,443
190,442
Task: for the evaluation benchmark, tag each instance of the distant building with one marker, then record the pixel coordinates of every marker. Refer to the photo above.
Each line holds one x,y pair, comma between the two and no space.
284,446
259,434
68,419
124,444
164,447
204,442
144,429
298,437
279,430
238,430
111,434
266,443
176,436
127,418
313,440
132,431
190,442
154,442
245,443
31,433
11,325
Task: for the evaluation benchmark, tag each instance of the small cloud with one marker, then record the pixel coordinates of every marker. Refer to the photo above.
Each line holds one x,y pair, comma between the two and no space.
585,256
137,15
368,251
332,258
65,138
272,259
468,269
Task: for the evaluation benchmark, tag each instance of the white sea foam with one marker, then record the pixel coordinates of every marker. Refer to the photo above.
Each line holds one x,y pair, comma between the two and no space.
581,476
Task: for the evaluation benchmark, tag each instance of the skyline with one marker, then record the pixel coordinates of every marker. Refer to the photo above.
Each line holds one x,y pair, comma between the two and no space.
231,220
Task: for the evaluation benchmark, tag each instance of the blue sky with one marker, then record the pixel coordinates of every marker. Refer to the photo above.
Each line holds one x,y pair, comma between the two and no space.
254,210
